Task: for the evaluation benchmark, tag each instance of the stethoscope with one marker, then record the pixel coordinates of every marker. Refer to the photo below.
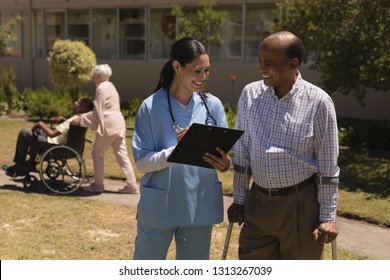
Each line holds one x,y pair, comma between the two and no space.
208,121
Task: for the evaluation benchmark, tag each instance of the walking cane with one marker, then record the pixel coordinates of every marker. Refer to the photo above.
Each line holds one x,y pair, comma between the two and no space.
333,246
334,249
227,241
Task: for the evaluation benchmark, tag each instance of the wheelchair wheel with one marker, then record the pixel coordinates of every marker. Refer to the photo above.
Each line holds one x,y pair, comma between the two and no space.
30,181
62,169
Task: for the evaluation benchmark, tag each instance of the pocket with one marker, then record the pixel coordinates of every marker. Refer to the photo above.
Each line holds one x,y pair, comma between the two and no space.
153,187
296,136
152,207
250,203
212,205
209,204
218,203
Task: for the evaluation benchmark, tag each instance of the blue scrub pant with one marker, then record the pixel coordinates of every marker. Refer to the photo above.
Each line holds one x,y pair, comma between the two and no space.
192,243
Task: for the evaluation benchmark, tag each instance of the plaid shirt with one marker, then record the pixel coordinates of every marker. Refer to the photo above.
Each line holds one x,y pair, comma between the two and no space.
287,140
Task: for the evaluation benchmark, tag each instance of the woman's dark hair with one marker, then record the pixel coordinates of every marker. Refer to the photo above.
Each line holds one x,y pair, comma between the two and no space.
184,51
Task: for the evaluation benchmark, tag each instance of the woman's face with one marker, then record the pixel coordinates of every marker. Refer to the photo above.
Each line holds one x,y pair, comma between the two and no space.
193,74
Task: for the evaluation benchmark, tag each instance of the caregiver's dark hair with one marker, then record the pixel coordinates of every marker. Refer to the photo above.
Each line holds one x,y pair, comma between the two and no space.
184,51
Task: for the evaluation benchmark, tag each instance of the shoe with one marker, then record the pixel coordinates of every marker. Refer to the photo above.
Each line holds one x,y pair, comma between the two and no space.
94,188
10,170
13,171
128,190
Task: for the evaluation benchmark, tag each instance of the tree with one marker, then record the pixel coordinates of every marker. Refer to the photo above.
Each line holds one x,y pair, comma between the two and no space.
347,40
7,35
71,63
203,24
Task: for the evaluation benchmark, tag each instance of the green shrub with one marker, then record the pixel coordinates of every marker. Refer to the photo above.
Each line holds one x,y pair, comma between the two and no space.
3,108
43,103
135,103
130,108
71,63
369,134
231,112
8,90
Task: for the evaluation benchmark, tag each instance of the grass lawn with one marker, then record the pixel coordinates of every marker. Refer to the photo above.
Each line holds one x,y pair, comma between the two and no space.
44,227
36,226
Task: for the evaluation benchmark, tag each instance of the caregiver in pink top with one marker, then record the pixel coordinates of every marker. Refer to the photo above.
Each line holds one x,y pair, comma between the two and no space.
108,121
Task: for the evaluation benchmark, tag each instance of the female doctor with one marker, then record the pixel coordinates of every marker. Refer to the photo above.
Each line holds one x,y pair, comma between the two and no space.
177,200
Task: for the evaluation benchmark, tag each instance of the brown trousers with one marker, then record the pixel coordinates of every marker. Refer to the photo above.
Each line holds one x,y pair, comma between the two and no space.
280,228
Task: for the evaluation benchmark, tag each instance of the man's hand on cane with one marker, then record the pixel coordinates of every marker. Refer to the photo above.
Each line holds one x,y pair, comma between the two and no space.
236,213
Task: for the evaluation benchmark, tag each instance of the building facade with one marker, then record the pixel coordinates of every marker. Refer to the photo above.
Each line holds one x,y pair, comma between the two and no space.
134,37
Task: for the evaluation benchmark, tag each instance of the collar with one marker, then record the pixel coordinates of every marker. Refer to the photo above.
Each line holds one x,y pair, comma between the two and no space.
292,92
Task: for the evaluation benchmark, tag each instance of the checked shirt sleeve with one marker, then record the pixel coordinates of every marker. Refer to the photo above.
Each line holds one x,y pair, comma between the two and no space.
241,152
327,151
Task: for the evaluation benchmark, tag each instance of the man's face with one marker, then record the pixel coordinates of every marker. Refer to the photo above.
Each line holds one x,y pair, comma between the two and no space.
274,65
78,107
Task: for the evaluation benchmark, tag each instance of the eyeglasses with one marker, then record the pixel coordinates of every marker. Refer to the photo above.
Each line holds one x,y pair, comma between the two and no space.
208,121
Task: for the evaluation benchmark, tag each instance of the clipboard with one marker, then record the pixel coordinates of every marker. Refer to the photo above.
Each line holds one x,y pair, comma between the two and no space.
200,139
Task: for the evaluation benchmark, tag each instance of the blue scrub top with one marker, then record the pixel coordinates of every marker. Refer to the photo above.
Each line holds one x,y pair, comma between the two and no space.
180,195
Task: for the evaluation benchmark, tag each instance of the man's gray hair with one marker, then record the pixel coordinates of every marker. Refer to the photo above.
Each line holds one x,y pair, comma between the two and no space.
102,70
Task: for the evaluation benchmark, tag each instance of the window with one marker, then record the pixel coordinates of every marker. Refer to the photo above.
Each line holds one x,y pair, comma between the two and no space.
258,23
162,33
78,28
104,33
132,33
55,28
229,47
15,46
147,33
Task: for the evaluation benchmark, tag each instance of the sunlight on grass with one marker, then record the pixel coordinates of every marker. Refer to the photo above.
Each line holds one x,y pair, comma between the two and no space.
36,226
45,227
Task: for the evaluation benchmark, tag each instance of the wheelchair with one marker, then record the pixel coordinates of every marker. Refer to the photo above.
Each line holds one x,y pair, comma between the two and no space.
61,167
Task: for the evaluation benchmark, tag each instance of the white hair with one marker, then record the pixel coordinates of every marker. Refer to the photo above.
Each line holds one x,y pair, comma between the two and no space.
103,71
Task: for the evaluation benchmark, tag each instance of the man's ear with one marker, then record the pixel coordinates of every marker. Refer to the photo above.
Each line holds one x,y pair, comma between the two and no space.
176,65
294,64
